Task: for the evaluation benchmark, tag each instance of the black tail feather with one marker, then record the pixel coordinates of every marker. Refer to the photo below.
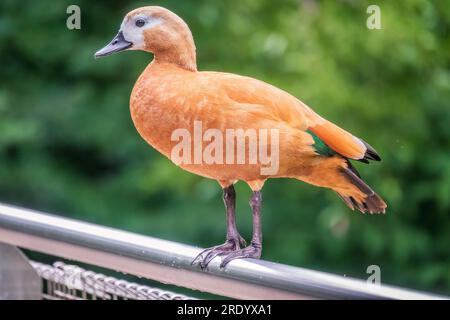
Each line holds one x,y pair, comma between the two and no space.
371,153
372,202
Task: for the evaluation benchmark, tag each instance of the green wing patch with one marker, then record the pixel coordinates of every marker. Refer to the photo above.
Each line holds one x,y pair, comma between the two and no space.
320,146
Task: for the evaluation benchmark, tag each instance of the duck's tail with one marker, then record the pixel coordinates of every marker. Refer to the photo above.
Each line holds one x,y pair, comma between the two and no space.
370,202
339,175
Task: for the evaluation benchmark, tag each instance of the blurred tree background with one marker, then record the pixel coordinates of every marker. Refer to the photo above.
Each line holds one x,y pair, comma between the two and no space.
68,146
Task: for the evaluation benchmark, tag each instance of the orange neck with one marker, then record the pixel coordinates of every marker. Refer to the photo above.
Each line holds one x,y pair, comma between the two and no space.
179,50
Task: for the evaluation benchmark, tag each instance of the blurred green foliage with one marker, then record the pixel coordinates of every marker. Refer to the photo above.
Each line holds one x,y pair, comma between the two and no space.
68,146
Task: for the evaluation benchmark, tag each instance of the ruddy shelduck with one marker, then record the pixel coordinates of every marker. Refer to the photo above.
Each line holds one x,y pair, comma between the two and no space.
171,94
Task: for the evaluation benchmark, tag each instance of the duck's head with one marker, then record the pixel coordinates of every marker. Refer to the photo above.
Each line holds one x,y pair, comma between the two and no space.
156,30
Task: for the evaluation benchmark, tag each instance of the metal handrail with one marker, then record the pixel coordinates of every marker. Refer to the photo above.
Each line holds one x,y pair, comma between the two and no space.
169,262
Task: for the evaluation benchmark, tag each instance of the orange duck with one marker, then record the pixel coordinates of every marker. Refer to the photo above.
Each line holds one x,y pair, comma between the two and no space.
173,101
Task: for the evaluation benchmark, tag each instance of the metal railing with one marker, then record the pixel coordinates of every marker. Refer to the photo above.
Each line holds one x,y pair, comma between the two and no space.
170,263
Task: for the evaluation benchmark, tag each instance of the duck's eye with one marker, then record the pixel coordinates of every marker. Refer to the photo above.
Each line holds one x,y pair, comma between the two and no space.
140,23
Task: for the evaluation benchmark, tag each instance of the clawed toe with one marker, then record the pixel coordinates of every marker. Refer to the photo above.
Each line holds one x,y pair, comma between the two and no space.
207,255
252,251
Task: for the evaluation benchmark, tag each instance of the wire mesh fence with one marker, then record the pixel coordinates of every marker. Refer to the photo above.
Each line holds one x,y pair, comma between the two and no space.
70,282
